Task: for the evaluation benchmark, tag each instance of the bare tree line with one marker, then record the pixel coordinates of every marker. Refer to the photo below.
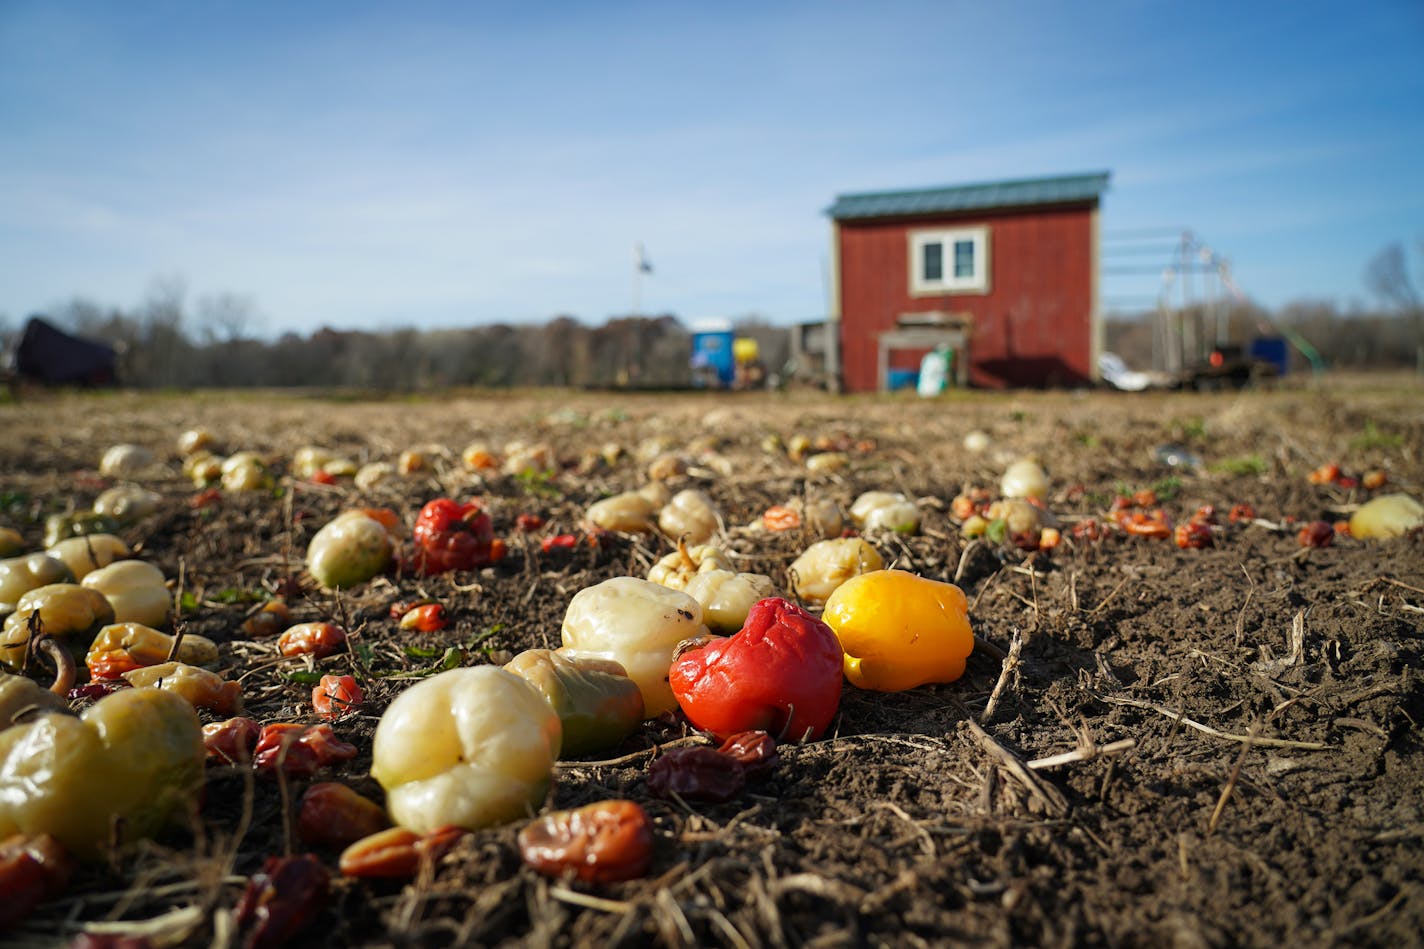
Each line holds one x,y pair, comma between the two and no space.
164,343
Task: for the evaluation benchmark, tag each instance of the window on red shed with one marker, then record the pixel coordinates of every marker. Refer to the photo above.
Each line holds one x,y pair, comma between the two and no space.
964,250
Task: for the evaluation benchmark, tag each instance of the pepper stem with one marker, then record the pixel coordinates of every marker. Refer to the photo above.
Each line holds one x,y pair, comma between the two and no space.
65,670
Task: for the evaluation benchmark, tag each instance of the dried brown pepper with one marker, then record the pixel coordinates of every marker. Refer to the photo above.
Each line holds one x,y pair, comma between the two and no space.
754,750
282,899
598,843
699,773
333,815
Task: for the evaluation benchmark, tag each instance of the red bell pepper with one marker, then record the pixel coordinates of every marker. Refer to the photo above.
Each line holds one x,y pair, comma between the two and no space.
781,673
454,536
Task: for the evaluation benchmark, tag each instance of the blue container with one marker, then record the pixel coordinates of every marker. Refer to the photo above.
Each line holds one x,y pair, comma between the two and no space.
1272,349
712,354
901,379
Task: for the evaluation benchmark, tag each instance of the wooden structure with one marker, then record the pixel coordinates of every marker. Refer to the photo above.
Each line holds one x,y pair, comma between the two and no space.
921,332
1014,260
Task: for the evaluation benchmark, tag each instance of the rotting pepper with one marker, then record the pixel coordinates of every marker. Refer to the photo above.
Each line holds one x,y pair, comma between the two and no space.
200,687
454,536
282,899
597,703
299,750
900,630
353,548
473,747
336,695
60,611
124,647
780,673
316,639
128,767
603,842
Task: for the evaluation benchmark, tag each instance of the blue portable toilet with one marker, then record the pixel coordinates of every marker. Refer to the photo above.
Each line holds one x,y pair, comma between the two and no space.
713,363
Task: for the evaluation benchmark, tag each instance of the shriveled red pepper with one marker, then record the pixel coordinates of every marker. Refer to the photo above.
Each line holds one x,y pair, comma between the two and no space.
425,618
755,750
602,842
232,741
299,750
335,695
1192,534
697,774
317,640
1326,474
454,536
282,899
1316,534
397,852
1152,523
33,868
333,815
1242,512
779,517
559,542
781,673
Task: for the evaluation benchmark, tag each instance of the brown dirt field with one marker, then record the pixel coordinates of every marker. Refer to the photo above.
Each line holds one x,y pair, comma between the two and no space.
1262,699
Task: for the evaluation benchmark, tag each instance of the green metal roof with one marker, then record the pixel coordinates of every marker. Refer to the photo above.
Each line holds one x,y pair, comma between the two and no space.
1024,192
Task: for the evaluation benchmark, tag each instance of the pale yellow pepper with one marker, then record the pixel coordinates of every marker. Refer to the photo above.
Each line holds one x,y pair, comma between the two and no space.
899,630
131,765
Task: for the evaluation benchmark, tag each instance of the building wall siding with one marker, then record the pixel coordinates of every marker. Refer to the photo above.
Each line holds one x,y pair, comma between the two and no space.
1035,326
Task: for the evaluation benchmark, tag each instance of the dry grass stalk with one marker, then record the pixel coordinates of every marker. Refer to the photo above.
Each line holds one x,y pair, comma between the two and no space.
964,559
924,835
589,901
635,755
1207,729
1230,782
1052,799
672,921
1083,753
1009,669
1108,599
1241,616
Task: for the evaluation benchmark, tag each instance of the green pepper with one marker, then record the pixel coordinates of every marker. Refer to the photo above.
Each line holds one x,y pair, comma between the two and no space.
130,766
595,700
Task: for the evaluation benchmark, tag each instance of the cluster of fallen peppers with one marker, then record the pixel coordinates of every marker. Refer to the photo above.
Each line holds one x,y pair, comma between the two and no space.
497,731
779,678
1027,523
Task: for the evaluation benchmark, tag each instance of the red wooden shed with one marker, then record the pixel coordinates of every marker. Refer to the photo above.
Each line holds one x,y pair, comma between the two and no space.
1004,273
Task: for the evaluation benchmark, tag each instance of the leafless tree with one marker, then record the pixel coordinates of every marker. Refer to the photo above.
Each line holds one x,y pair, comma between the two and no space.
1387,277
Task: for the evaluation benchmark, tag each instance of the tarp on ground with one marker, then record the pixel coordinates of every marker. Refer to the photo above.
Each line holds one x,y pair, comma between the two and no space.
47,354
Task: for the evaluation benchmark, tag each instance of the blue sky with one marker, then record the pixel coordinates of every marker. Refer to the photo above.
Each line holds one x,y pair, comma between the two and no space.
379,165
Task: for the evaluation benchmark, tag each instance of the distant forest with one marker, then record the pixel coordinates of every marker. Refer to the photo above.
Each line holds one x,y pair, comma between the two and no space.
166,344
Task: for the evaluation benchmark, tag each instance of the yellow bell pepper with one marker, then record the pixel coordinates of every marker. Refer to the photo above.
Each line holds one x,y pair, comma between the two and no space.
899,630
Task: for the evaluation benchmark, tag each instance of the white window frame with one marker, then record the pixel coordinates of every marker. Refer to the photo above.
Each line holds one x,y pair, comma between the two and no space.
978,282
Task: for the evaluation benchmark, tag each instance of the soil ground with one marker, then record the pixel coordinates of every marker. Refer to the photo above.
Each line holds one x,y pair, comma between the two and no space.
1247,715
